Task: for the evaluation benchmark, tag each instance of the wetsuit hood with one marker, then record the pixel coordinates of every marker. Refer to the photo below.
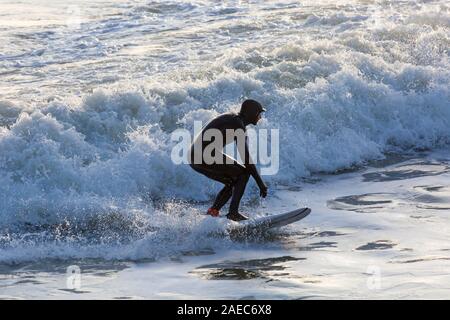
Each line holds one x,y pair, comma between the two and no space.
250,110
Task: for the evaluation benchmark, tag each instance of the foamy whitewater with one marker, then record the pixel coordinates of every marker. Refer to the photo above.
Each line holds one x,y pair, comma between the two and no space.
91,92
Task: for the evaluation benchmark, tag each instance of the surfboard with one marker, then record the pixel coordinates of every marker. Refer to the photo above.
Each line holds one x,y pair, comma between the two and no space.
271,221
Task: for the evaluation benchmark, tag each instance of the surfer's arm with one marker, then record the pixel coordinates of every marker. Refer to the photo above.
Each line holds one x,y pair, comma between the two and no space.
250,166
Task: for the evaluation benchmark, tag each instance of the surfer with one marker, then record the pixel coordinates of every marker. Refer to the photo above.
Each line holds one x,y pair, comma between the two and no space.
228,170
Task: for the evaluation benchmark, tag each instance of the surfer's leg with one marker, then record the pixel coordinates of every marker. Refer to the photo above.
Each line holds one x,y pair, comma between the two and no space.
239,175
238,191
233,172
216,173
230,175
223,196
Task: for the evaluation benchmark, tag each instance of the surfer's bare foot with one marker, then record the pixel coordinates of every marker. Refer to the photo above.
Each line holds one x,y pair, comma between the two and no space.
236,216
213,212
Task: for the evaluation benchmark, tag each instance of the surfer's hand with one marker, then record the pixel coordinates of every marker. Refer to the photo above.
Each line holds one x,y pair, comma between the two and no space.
263,191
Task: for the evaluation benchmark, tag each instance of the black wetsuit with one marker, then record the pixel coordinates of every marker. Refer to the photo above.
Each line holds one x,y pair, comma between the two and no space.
229,172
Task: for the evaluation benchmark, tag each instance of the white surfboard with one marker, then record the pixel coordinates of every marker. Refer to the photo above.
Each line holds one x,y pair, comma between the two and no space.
270,222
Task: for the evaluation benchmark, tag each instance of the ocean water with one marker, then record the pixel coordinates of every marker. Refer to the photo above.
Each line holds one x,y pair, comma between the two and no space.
90,93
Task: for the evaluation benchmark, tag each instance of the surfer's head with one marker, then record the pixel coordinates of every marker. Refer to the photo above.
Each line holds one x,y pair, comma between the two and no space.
251,111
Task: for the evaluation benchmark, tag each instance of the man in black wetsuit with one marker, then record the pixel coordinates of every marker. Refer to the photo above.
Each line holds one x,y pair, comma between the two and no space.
228,170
